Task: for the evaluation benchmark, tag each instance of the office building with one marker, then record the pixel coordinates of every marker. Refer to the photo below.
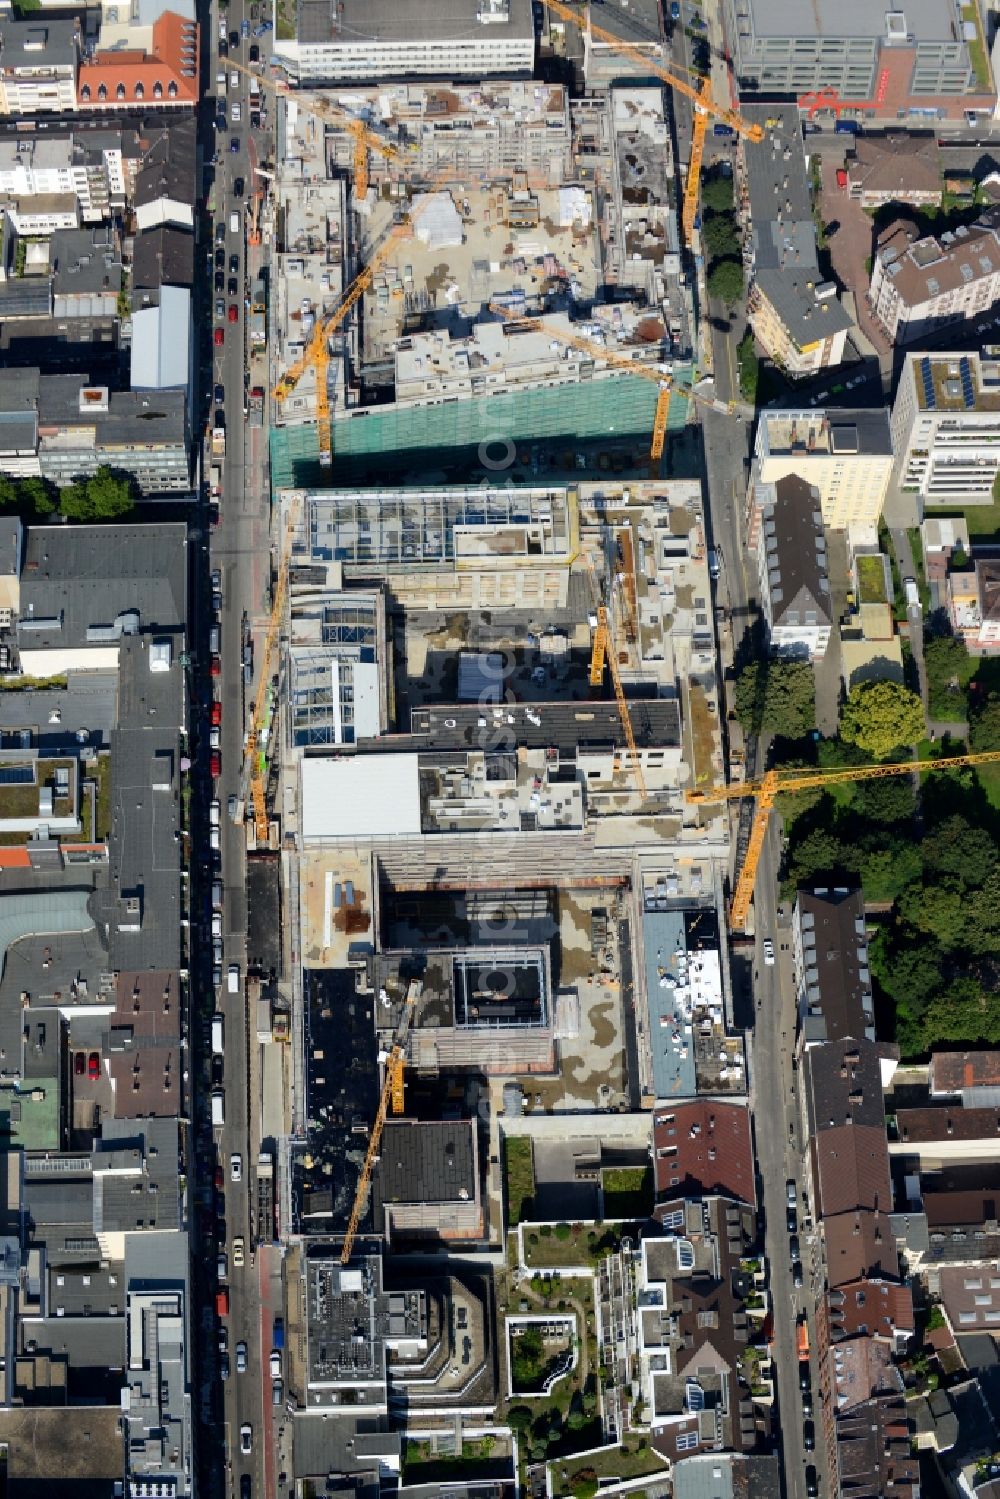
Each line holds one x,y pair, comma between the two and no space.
356,40
973,602
946,427
792,567
795,313
919,285
914,60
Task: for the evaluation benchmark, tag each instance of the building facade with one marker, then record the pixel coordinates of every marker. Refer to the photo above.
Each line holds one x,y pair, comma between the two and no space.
38,63
792,568
946,427
918,285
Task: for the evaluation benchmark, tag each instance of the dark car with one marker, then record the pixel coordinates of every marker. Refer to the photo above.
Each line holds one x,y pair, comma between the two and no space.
224,1365
792,1220
255,119
218,1073
215,764
234,265
805,1378
220,394
234,39
809,1436
220,280
219,337
234,287
220,1179
238,186
807,1403
254,53
246,1487
220,234
220,258
234,145
798,1277
234,313
223,47
220,417
80,1064
793,1247
812,1482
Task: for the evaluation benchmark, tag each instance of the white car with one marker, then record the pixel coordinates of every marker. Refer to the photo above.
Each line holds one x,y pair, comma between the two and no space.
246,1439
234,112
275,1364
768,952
236,1167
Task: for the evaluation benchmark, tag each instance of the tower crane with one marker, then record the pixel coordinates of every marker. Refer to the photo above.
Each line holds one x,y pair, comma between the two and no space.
701,98
773,782
365,140
392,1092
665,383
253,762
604,649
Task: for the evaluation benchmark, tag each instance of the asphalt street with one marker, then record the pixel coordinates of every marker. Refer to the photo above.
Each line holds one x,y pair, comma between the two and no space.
239,553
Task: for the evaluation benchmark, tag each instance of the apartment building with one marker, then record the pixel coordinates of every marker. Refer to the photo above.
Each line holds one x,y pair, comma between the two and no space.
61,426
91,173
973,601
792,568
136,65
795,314
355,40
912,60
946,427
919,285
474,130
38,63
895,167
845,455
832,976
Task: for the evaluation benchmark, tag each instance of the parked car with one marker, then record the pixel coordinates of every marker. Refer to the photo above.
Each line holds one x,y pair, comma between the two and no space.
234,145
219,336
234,313
239,1252
223,1365
215,713
241,1358
246,1486
812,1482
768,947
236,1166
805,1378
275,1363
809,1436
254,53
215,666
233,289
80,1063
215,767
246,1439
220,280
791,1220
793,1247
791,1192
238,187
234,265
807,1403
94,1065
234,39
220,389
798,1276
220,258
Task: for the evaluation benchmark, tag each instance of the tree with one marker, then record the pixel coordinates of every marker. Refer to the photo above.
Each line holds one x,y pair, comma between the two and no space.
819,852
103,496
949,669
748,366
886,802
519,1419
725,281
939,910
717,194
29,498
776,697
880,716
956,848
719,235
984,722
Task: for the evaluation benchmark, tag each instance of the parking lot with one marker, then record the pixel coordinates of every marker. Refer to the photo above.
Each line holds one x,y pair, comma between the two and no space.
849,235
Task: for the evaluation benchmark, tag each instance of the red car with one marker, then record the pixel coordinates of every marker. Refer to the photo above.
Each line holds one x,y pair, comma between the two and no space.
219,336
234,313
215,763
220,1179
94,1065
216,717
215,666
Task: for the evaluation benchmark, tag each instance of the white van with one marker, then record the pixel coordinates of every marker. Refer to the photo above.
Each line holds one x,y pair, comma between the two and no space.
235,225
233,978
218,1036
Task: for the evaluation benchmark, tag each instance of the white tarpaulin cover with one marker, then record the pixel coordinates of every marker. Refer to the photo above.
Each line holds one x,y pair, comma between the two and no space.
436,220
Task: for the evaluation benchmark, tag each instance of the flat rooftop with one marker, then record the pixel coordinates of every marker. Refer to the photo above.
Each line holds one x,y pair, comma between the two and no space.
386,23
819,432
563,726
927,20
955,382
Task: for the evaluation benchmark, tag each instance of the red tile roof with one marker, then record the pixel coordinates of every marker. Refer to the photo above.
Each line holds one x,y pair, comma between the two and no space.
859,1244
701,1147
878,1307
930,1126
167,75
145,1059
852,1169
951,1071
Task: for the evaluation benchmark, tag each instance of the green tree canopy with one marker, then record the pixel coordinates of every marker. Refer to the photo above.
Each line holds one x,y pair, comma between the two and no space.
880,716
103,496
719,235
29,498
956,848
984,722
776,696
725,281
890,801
949,669
716,194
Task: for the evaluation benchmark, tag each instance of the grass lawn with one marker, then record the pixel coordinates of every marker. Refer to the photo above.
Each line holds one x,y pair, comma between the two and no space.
634,1458
574,1243
977,49
984,520
628,1191
871,580
477,1459
519,1177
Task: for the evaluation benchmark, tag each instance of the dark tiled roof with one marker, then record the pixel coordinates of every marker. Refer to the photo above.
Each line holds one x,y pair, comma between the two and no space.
852,1169
714,1150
